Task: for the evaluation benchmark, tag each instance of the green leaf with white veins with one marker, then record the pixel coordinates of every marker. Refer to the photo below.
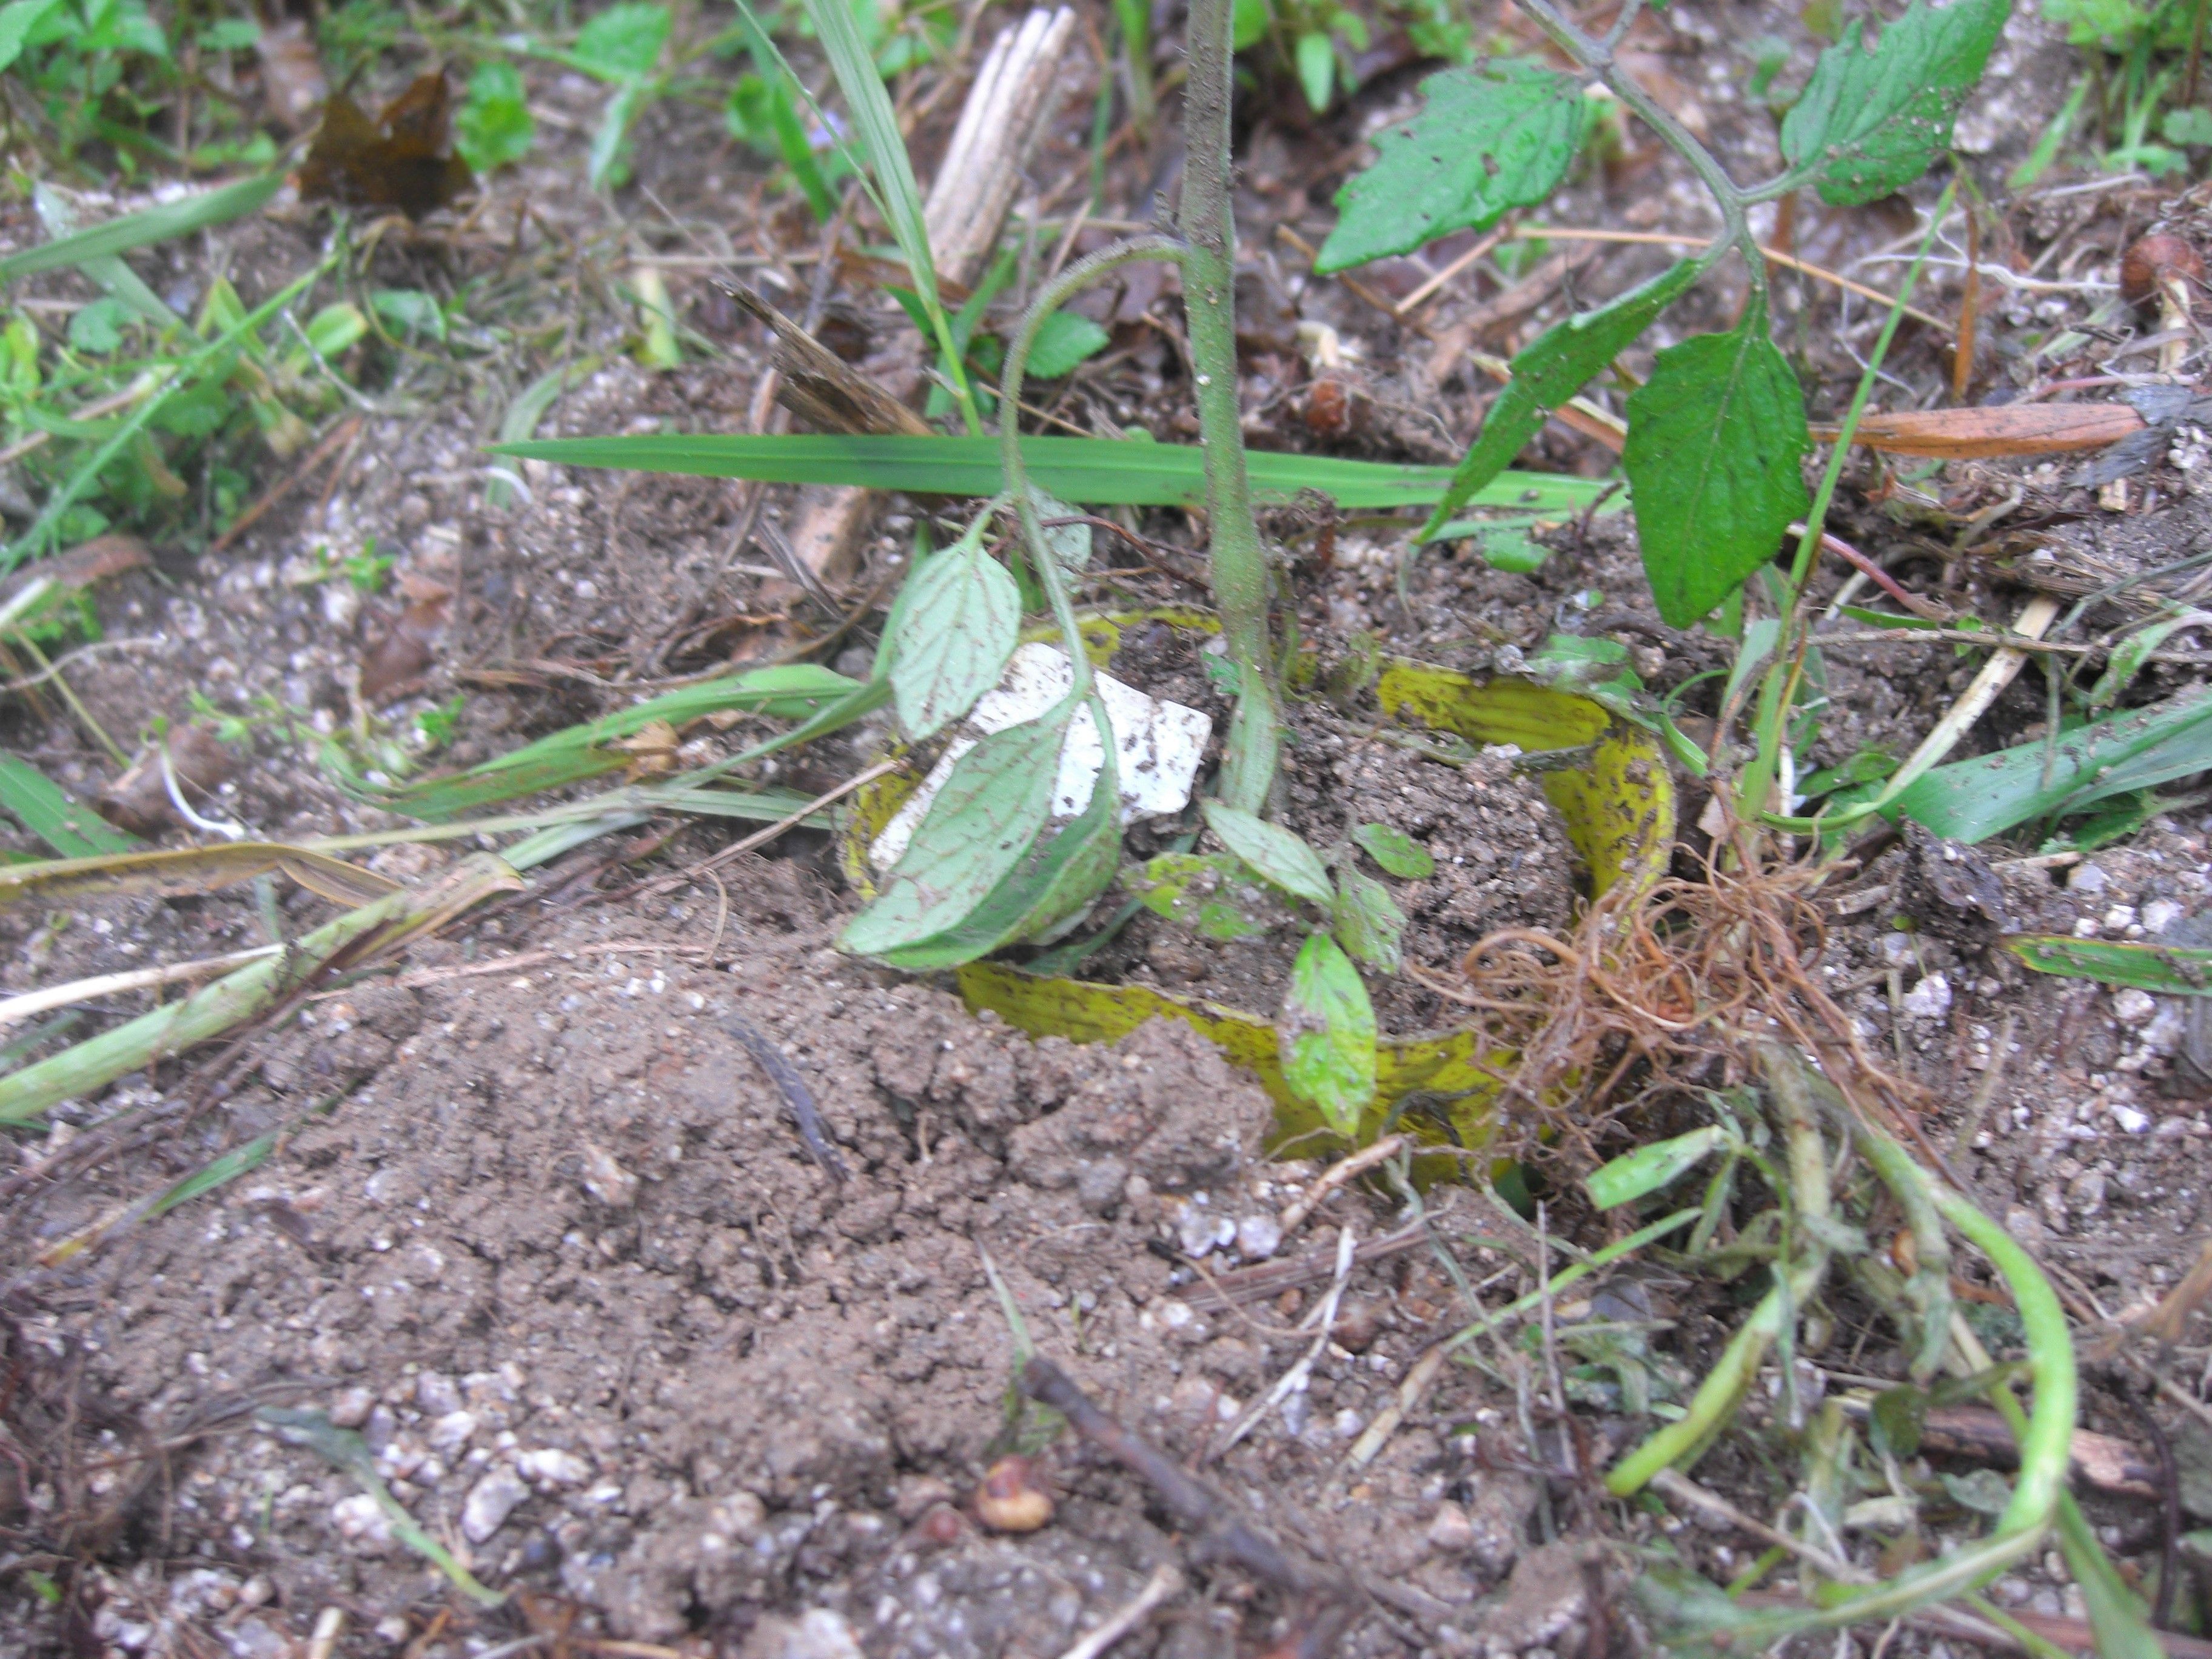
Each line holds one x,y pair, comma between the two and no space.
1047,890
979,830
1872,122
1555,366
1272,850
1367,921
1497,135
1716,438
1327,1029
956,634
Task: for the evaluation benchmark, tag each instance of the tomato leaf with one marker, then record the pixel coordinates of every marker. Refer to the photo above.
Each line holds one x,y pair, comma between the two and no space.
955,637
1272,850
1715,440
1327,1029
1398,852
1496,136
1873,121
1557,364
980,827
1213,893
1063,340
1369,923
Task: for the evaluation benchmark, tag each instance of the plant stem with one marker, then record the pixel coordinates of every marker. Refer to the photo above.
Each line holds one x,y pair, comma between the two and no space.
1597,57
1238,563
1054,295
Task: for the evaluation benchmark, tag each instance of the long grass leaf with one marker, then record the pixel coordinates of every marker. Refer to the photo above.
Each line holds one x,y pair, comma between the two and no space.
190,870
791,691
148,225
1098,471
74,831
240,996
1971,800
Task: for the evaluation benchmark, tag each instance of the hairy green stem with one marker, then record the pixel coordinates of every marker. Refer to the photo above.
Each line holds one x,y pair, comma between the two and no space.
1050,298
1779,691
1238,563
1596,56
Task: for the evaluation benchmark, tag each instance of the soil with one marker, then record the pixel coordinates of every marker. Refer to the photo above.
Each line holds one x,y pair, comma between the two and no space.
536,1226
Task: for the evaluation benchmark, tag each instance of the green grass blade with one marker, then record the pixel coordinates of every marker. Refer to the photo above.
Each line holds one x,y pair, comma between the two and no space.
2169,969
875,123
1098,472
153,224
529,406
438,801
73,831
793,691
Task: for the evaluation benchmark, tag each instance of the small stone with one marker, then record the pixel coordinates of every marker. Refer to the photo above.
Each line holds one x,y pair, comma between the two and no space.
490,1501
351,1408
2132,1008
1930,999
452,1432
557,1467
361,1521
436,1393
1451,1532
1259,1237
606,1180
917,1494
820,1634
2087,878
2160,914
1358,1323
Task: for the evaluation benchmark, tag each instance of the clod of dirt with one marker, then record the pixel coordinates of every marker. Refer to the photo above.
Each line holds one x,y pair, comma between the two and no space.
1951,889
139,800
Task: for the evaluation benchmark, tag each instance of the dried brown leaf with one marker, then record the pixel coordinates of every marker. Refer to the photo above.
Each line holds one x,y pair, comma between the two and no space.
2011,429
400,160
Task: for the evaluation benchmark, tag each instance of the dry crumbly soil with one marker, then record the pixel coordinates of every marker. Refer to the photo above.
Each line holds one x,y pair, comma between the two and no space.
538,1228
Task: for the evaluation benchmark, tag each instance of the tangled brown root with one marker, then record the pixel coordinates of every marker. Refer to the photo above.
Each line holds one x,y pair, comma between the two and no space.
1662,989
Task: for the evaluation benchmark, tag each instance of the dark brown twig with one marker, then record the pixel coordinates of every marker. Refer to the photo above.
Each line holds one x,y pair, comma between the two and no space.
796,1094
1191,1501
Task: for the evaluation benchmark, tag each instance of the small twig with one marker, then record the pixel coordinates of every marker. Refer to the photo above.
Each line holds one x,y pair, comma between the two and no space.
1164,1583
761,837
1344,1169
1293,1380
1674,1484
795,1092
340,436
1418,1380
1188,1498
107,985
1406,306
